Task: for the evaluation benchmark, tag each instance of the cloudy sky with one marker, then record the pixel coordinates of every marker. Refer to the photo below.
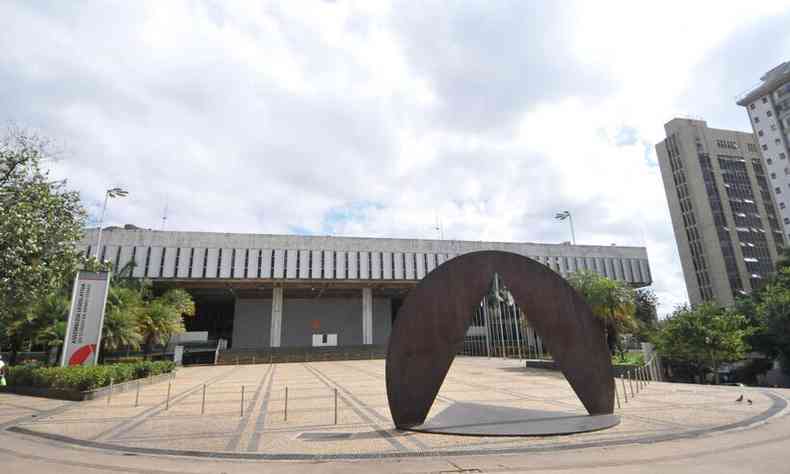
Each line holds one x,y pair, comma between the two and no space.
378,119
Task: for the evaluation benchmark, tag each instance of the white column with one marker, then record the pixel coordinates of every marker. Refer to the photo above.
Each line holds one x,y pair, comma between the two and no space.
367,316
277,318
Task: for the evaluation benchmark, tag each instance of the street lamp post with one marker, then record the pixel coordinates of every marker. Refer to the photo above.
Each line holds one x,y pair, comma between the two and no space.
110,193
561,216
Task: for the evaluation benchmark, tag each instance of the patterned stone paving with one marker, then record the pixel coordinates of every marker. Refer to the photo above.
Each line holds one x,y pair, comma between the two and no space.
364,427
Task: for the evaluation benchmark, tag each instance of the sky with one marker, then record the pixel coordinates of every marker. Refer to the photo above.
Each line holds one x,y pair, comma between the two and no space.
383,119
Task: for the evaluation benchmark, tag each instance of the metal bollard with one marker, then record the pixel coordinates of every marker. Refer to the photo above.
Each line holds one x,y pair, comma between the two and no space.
167,401
241,411
616,395
625,392
109,394
285,408
203,403
335,405
137,396
630,382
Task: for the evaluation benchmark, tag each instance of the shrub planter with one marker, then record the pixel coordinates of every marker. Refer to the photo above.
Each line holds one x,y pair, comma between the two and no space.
79,396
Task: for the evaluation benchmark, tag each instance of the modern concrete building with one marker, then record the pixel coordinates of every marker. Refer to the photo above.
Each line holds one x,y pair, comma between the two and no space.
768,106
264,291
723,213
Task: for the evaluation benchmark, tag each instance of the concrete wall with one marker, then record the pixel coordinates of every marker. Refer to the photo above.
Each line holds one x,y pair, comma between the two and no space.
341,316
252,321
382,320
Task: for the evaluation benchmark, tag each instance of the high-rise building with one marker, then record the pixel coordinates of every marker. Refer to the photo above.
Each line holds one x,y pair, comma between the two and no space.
768,106
723,213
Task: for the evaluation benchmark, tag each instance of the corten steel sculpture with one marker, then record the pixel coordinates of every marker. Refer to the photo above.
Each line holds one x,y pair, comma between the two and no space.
435,316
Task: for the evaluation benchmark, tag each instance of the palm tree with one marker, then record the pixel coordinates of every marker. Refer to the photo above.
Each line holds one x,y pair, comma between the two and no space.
164,316
124,306
612,301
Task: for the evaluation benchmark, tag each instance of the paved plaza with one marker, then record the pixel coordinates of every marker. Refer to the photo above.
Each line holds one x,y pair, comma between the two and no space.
262,427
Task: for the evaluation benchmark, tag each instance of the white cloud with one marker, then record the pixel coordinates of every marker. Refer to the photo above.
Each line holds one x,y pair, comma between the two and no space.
370,118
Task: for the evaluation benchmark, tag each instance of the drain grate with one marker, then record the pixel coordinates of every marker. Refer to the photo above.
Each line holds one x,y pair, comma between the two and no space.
324,436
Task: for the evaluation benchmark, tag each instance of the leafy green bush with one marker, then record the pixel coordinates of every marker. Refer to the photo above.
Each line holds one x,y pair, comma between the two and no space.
629,358
84,378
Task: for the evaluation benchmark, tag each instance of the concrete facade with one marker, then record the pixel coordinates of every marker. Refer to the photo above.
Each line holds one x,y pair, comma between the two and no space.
768,106
280,290
724,217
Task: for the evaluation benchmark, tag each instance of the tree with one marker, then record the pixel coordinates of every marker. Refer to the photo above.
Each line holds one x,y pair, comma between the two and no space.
645,301
39,222
164,316
704,336
121,316
610,300
773,309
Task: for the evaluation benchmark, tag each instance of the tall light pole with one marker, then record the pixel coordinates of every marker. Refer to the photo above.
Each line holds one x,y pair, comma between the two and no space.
110,193
561,216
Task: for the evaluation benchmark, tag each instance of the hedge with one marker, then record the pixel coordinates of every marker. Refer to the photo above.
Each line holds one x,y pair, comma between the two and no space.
82,378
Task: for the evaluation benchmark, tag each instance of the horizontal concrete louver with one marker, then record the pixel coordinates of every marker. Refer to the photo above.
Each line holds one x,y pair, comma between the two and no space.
419,265
290,263
198,262
107,253
303,264
139,260
278,271
154,262
182,269
316,265
211,262
225,263
237,263
252,264
431,262
637,272
329,264
409,266
364,265
126,257
375,265
340,263
265,266
352,265
169,267
386,270
398,264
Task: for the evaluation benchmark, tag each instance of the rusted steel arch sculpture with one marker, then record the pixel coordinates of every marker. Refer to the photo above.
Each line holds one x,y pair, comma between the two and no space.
435,316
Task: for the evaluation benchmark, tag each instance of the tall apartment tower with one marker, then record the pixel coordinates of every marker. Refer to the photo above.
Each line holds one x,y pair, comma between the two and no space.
723,214
768,106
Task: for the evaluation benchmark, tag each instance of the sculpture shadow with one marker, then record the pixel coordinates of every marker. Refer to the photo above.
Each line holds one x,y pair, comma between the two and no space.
431,324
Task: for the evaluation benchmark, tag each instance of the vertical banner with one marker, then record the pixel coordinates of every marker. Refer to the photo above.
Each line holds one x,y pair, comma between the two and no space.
86,317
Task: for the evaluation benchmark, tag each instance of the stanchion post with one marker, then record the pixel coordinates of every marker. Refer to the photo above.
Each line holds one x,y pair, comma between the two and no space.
285,407
616,395
109,394
630,382
335,405
137,396
625,392
203,403
241,410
